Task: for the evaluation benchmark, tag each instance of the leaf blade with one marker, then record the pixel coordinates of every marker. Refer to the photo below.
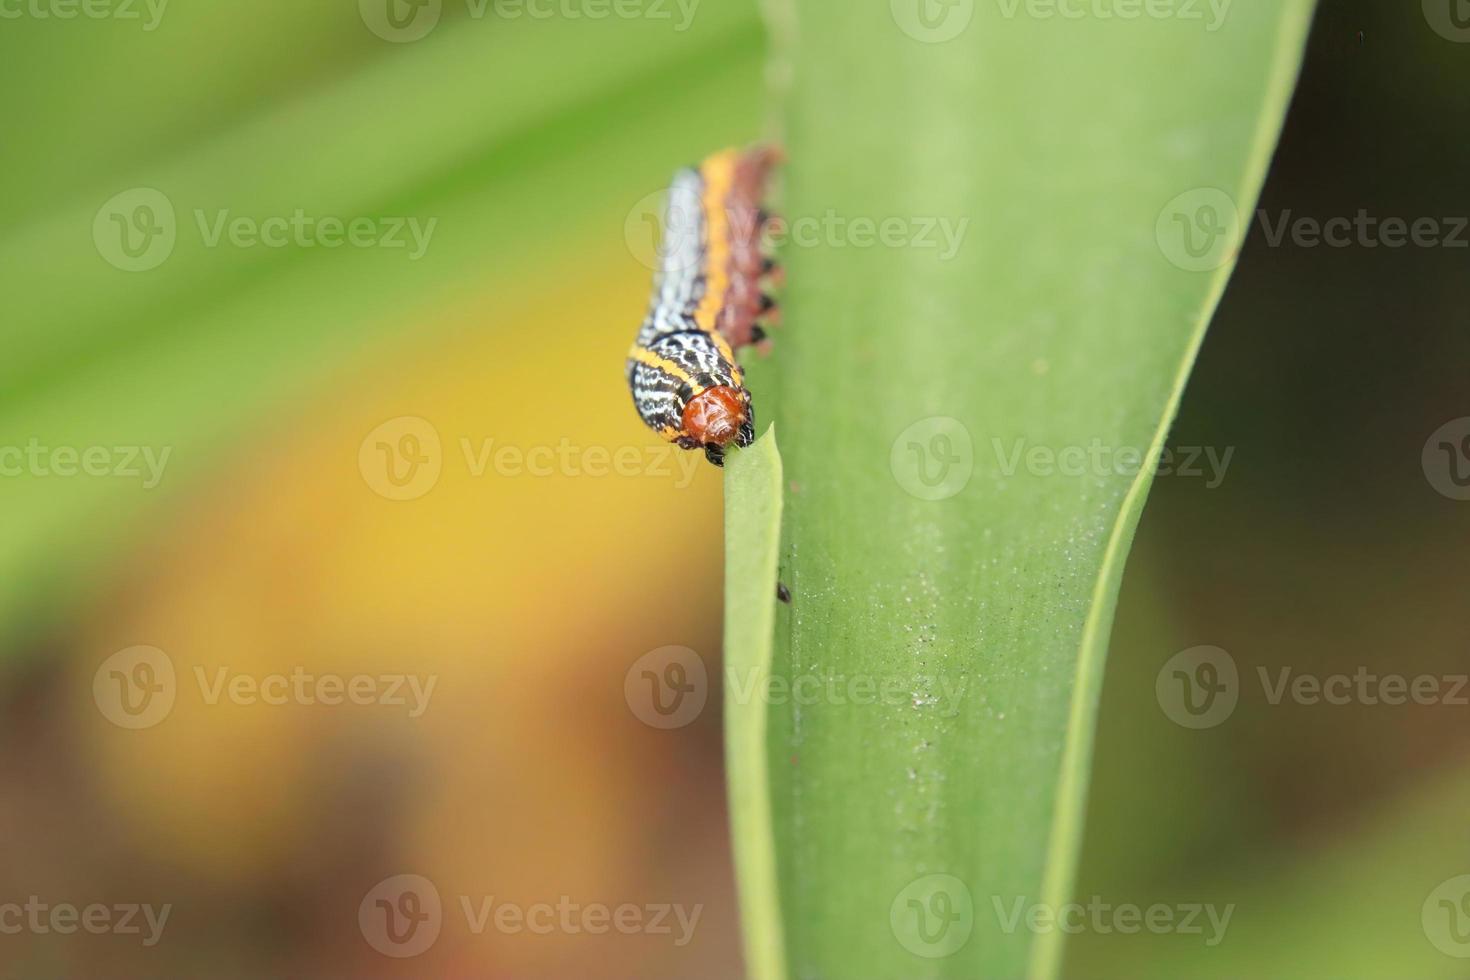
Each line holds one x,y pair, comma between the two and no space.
1052,316
752,545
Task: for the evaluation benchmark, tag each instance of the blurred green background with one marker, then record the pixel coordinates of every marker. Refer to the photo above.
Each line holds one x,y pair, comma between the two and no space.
292,389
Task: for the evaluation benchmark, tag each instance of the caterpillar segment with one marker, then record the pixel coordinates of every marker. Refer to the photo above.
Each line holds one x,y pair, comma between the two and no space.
707,303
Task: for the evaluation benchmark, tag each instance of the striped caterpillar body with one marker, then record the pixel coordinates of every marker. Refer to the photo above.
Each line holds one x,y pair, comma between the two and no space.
707,302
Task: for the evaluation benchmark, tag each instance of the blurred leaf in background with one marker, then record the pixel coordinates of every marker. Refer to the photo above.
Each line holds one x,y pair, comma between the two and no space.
513,573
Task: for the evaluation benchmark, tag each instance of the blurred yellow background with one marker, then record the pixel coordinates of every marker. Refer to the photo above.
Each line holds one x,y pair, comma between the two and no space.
516,595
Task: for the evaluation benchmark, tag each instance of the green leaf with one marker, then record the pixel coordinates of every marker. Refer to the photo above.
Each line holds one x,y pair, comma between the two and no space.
992,311
752,539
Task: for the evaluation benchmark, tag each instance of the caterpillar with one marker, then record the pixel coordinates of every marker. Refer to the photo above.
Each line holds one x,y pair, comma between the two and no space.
707,303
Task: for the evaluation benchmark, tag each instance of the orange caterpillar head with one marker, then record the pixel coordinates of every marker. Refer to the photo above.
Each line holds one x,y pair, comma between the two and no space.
717,417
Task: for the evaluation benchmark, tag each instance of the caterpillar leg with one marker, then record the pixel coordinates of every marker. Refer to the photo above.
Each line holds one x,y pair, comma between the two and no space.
768,316
774,272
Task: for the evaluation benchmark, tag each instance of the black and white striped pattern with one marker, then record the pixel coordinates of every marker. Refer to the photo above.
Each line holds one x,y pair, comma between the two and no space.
679,284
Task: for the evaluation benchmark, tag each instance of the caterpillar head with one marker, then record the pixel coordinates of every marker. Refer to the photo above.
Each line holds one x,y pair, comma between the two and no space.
715,418
687,387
